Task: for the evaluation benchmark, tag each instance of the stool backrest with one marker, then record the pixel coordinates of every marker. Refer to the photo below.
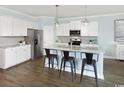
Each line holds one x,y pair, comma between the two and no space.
66,54
89,57
47,52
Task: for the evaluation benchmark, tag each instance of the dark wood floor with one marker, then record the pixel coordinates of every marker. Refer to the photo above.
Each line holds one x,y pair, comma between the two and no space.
29,74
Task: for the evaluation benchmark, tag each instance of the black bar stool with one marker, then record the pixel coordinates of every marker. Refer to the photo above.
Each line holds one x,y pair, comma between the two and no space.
71,60
89,61
51,58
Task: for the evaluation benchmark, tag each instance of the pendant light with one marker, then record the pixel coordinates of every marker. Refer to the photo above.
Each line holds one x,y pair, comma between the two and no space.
85,21
56,18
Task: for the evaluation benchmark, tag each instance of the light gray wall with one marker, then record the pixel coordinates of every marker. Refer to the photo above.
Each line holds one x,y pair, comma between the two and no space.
106,31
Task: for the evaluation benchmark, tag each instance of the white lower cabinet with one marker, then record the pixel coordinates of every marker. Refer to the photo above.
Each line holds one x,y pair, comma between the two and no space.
120,52
23,53
14,55
10,58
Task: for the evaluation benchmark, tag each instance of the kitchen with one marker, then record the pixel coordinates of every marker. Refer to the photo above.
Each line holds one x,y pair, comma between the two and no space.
60,33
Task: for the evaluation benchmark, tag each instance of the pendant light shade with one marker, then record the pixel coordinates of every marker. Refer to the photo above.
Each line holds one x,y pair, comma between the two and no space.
85,21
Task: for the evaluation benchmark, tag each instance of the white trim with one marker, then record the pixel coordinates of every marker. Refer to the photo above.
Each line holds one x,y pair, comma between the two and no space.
79,17
14,11
109,57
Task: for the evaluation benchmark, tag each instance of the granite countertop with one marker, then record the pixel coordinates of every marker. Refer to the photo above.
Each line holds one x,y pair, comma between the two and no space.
9,46
88,49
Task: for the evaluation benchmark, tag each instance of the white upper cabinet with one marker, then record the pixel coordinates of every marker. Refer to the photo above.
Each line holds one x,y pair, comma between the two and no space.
32,25
91,29
6,24
75,25
63,29
10,26
19,27
86,30
48,35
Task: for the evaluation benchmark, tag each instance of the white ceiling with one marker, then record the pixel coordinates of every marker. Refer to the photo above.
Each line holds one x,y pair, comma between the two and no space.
66,10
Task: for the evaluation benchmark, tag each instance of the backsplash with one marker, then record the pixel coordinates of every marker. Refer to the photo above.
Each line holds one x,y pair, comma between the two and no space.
4,41
84,39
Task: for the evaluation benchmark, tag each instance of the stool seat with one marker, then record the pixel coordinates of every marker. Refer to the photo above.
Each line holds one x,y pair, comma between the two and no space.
68,58
89,62
51,55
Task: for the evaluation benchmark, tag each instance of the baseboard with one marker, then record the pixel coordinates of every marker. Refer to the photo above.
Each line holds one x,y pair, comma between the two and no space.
109,57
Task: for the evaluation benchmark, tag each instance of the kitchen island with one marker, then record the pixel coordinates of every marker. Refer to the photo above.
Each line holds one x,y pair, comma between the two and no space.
79,52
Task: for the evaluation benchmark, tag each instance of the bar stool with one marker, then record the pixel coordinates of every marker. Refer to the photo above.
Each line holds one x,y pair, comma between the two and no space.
89,61
51,58
71,60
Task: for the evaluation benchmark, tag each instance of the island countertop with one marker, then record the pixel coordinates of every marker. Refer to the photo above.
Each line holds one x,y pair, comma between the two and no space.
87,49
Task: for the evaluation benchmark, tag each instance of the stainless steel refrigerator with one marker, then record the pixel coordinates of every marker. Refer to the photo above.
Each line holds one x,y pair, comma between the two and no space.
35,38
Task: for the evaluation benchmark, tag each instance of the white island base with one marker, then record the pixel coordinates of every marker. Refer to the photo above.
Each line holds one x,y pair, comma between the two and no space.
88,70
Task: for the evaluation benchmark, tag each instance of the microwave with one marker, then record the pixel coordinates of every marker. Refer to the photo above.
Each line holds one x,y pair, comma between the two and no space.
75,33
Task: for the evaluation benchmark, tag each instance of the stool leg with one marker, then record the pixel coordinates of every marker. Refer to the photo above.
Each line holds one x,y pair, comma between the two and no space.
95,71
60,67
64,65
44,59
74,67
49,62
52,60
71,64
82,70
57,60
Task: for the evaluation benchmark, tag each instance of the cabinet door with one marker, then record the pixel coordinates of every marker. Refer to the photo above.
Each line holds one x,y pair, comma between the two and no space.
20,54
6,25
48,35
75,25
19,27
32,25
23,53
63,29
10,57
89,30
27,50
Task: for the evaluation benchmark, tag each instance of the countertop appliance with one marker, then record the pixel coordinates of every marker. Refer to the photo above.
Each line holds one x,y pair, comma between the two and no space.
75,33
35,38
75,41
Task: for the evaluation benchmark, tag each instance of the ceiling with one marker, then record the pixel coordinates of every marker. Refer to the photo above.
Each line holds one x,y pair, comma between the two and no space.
66,10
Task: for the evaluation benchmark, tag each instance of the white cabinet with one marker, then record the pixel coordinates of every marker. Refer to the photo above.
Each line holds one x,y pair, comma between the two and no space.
120,52
91,29
14,55
86,30
48,35
24,53
19,27
10,57
10,26
32,25
6,24
75,25
63,29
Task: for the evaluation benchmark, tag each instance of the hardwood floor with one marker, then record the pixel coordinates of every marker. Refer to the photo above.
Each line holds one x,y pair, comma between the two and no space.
29,74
